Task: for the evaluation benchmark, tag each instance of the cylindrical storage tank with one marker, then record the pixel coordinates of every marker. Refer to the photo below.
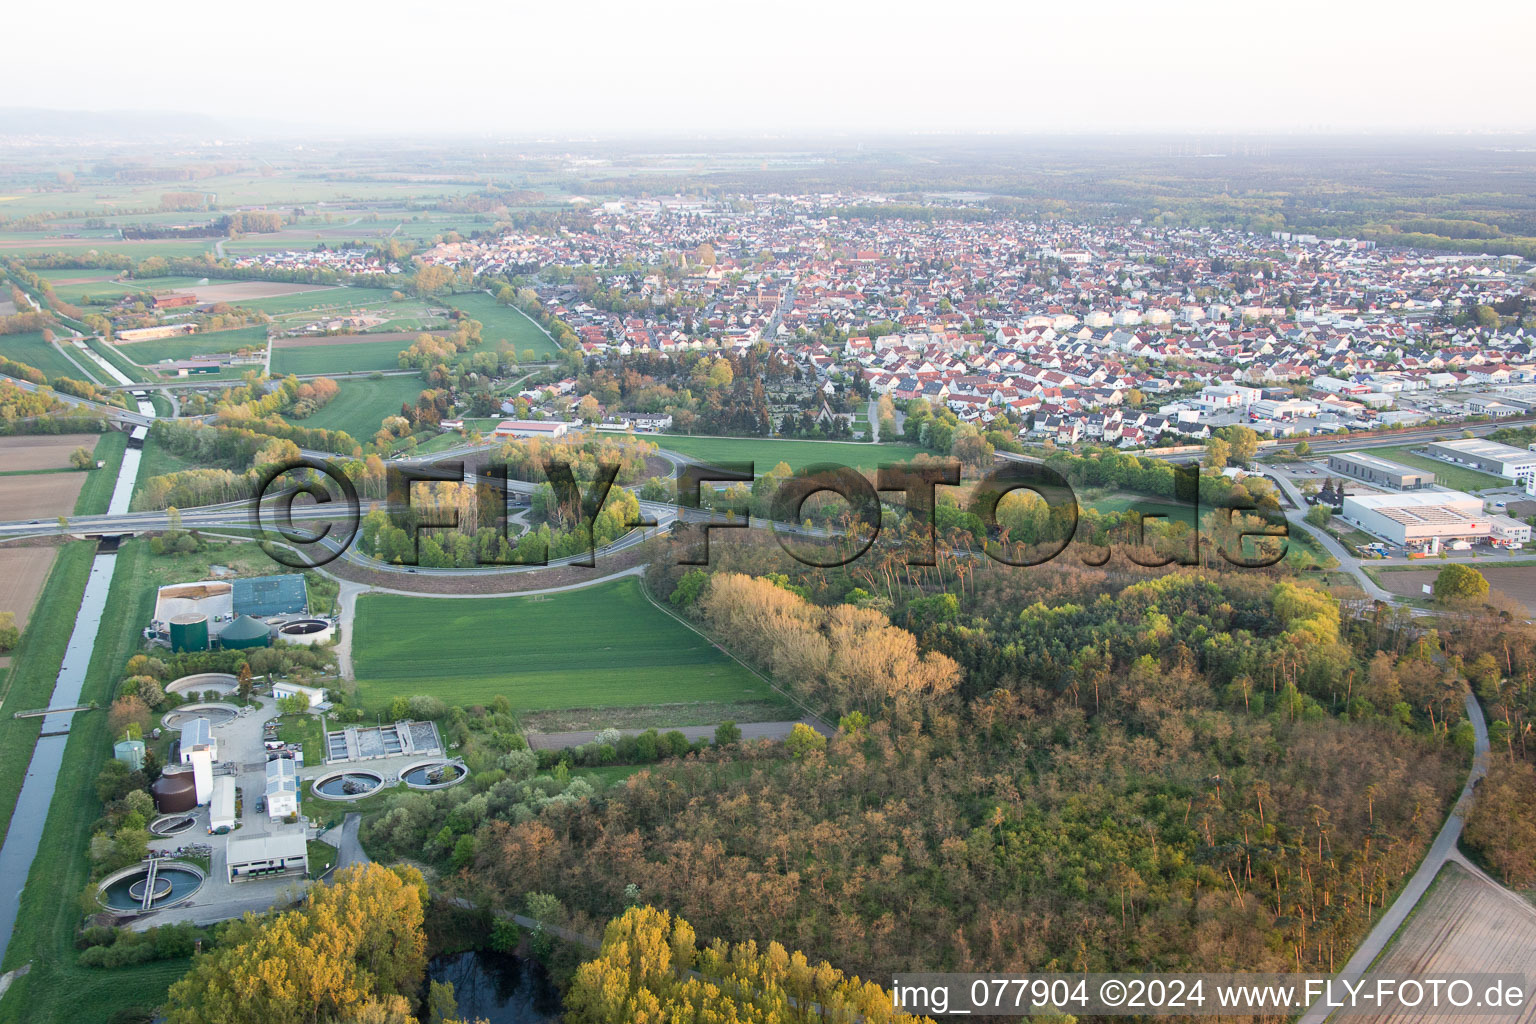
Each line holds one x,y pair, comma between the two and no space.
130,752
305,631
245,632
189,632
174,792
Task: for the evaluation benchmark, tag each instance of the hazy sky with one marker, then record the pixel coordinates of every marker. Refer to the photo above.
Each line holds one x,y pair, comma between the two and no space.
651,66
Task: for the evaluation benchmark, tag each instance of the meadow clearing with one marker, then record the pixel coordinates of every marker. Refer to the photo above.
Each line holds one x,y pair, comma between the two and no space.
361,404
603,646
505,324
342,353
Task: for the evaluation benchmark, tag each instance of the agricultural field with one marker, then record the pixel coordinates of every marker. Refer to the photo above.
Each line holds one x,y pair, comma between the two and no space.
84,287
40,495
1465,925
350,353
30,453
22,574
1458,478
602,646
30,348
768,452
1517,581
505,324
361,404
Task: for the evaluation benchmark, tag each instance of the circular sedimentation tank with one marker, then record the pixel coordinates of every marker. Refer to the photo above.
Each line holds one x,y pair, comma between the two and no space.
353,784
217,714
434,774
202,682
305,631
171,824
123,891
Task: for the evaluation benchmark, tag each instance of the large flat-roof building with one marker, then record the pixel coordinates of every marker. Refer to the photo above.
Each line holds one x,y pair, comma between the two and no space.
1373,469
1422,520
267,856
1488,456
190,615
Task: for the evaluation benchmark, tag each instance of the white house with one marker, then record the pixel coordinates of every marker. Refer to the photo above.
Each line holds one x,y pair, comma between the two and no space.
315,694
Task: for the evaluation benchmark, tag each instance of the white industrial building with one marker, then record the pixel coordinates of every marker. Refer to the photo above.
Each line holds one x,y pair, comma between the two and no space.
1509,532
1503,460
282,788
221,809
316,694
267,856
197,735
1422,520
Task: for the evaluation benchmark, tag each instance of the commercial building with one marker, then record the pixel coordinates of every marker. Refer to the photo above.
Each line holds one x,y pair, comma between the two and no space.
282,788
267,856
1423,520
531,428
1373,469
1488,456
1509,532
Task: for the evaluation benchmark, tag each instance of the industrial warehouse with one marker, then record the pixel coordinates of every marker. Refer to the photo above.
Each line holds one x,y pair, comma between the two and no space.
1372,469
1427,521
235,614
1503,460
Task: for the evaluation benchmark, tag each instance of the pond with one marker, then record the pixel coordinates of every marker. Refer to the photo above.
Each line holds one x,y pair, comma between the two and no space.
498,988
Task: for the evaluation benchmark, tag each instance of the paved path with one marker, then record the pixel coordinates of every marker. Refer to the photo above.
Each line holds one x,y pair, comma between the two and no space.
749,731
349,849
1348,561
1442,850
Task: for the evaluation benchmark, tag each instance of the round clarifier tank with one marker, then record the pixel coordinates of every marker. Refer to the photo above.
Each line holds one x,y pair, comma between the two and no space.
123,892
353,784
434,774
306,631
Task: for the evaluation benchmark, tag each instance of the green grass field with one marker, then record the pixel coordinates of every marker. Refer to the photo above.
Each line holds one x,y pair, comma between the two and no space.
361,404
352,357
330,299
768,452
1446,474
602,646
30,348
505,324
147,353
96,495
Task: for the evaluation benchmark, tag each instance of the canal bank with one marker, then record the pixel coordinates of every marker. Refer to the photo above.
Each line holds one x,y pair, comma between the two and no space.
24,835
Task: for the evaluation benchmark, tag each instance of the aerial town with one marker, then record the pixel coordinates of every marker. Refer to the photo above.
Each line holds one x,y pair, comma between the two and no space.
1045,534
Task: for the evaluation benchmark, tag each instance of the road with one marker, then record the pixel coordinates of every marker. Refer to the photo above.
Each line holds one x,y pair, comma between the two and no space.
1442,850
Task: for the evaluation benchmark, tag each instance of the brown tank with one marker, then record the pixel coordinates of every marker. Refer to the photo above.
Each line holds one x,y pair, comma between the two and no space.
174,792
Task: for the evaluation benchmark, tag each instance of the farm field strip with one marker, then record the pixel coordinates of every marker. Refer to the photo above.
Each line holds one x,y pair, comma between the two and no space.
504,324
27,452
30,348
361,405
